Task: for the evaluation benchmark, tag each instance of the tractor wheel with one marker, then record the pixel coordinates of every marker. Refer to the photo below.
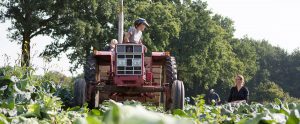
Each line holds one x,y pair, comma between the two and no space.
183,93
171,76
177,95
90,69
171,70
90,79
79,92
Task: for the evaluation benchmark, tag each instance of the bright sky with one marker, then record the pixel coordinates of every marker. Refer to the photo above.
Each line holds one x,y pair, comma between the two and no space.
277,21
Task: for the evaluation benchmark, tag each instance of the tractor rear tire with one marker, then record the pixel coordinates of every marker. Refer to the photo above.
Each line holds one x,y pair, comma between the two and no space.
79,92
90,79
171,76
171,70
90,69
177,95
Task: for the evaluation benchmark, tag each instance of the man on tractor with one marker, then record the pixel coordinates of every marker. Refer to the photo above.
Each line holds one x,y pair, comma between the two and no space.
134,33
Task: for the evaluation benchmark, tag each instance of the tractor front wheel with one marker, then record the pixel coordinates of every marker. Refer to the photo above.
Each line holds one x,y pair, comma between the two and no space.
79,92
177,95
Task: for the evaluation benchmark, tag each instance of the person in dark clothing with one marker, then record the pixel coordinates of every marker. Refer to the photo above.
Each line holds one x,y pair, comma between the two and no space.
213,96
239,92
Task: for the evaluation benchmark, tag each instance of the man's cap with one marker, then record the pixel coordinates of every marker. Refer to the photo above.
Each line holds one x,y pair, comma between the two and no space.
141,21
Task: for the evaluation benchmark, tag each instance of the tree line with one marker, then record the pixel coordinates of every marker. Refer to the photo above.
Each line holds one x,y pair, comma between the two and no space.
208,55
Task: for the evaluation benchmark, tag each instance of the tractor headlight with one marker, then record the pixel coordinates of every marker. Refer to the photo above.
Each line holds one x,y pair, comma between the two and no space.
137,62
121,62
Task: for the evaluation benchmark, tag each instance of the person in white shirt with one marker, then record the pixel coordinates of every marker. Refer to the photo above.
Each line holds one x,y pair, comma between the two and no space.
134,33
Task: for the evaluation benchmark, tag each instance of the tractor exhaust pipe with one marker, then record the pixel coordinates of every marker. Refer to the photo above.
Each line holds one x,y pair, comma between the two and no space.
121,22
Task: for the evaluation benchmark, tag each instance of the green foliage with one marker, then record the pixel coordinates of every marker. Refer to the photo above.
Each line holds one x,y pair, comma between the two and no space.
164,22
268,91
89,25
274,65
3,119
126,114
255,113
19,91
204,50
36,103
58,78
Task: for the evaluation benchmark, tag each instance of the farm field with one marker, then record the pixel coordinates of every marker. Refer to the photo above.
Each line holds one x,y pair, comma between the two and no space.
34,100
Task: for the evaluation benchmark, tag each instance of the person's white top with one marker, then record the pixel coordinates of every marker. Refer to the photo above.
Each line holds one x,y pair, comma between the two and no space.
135,35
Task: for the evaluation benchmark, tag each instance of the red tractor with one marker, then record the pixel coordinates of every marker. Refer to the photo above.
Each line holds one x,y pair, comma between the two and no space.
127,74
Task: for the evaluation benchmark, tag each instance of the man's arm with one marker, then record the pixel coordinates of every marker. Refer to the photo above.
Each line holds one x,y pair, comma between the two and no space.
247,94
218,98
128,34
126,38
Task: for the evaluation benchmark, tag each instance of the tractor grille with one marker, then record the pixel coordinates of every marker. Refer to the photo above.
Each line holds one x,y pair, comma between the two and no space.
129,49
129,59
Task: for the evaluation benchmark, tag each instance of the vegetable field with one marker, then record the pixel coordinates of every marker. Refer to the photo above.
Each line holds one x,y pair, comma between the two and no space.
35,100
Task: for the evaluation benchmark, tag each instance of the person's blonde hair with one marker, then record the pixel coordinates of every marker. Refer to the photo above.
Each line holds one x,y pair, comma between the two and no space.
241,77
113,42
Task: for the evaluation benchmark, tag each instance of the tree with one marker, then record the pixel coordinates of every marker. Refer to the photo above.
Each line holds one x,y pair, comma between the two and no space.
91,24
267,92
31,18
245,51
272,64
292,74
97,27
203,52
226,23
58,78
164,24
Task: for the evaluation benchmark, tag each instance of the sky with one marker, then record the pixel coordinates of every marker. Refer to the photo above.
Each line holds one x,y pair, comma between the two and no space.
277,21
